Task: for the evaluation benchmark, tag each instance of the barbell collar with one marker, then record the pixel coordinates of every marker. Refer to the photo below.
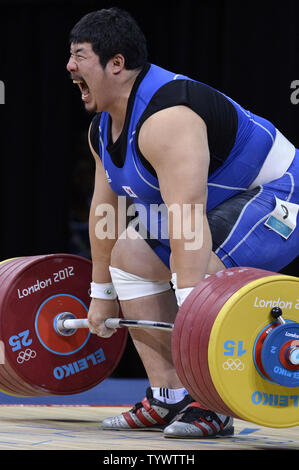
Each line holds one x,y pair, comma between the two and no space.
276,313
293,356
142,324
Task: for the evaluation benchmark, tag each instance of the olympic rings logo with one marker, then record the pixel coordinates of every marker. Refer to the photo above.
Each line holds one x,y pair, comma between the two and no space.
233,364
26,355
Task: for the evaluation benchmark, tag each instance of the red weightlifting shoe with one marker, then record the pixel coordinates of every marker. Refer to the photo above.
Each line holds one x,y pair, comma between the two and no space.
150,415
198,423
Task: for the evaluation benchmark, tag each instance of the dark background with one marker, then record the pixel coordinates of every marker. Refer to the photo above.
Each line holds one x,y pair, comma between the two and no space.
248,50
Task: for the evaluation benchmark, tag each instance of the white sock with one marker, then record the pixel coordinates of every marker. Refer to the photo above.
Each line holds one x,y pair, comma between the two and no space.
169,395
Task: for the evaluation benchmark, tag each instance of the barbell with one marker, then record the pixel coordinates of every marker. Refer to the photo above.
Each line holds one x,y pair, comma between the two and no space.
66,324
235,339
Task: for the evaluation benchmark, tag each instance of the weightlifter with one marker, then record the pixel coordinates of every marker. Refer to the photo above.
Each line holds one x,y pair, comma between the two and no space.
166,141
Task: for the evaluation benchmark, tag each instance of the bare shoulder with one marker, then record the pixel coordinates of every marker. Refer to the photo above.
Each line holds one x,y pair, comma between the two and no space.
175,143
95,155
173,131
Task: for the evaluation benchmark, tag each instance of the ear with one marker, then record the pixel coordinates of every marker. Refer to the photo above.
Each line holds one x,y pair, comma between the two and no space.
117,64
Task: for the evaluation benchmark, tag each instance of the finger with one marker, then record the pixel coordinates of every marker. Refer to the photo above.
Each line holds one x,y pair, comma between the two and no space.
104,332
91,328
101,330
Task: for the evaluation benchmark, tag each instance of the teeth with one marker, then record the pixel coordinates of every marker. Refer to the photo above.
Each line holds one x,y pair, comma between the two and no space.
77,81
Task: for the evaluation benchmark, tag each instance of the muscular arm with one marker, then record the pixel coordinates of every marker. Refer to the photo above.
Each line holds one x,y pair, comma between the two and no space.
175,142
101,248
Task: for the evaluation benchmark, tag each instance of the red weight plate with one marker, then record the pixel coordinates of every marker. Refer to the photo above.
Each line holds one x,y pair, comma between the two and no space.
198,315
7,388
200,362
189,327
14,384
178,344
9,381
4,265
201,337
217,300
55,364
206,308
220,292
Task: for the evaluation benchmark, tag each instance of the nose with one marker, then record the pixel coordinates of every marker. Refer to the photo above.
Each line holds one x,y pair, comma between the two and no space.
71,65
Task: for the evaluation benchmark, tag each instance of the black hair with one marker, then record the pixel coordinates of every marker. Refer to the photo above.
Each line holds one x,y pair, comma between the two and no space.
112,31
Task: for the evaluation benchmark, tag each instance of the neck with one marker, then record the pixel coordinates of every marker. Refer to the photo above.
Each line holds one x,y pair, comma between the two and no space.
118,109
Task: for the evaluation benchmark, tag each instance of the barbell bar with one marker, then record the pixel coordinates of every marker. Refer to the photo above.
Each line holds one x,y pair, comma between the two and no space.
66,324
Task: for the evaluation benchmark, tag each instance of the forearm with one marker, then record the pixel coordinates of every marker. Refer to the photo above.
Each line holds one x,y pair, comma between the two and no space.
103,304
101,245
191,253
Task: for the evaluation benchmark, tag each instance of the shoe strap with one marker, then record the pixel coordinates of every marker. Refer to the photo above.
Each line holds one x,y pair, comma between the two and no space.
196,405
147,406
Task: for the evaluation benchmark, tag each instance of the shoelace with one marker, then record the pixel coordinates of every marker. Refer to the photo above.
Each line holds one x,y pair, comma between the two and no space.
136,407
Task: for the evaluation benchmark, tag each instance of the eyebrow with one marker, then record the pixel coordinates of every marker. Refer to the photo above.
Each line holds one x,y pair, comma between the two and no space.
79,49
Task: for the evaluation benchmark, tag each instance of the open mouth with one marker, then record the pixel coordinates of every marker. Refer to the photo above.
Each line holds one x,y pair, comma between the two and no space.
83,88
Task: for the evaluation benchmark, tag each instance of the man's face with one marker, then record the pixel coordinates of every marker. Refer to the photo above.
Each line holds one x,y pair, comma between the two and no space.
87,72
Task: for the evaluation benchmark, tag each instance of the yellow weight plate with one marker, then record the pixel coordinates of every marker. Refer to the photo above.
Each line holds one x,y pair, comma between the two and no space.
230,353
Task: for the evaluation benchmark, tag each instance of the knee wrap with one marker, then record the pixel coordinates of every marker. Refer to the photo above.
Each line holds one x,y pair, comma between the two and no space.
181,294
129,286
